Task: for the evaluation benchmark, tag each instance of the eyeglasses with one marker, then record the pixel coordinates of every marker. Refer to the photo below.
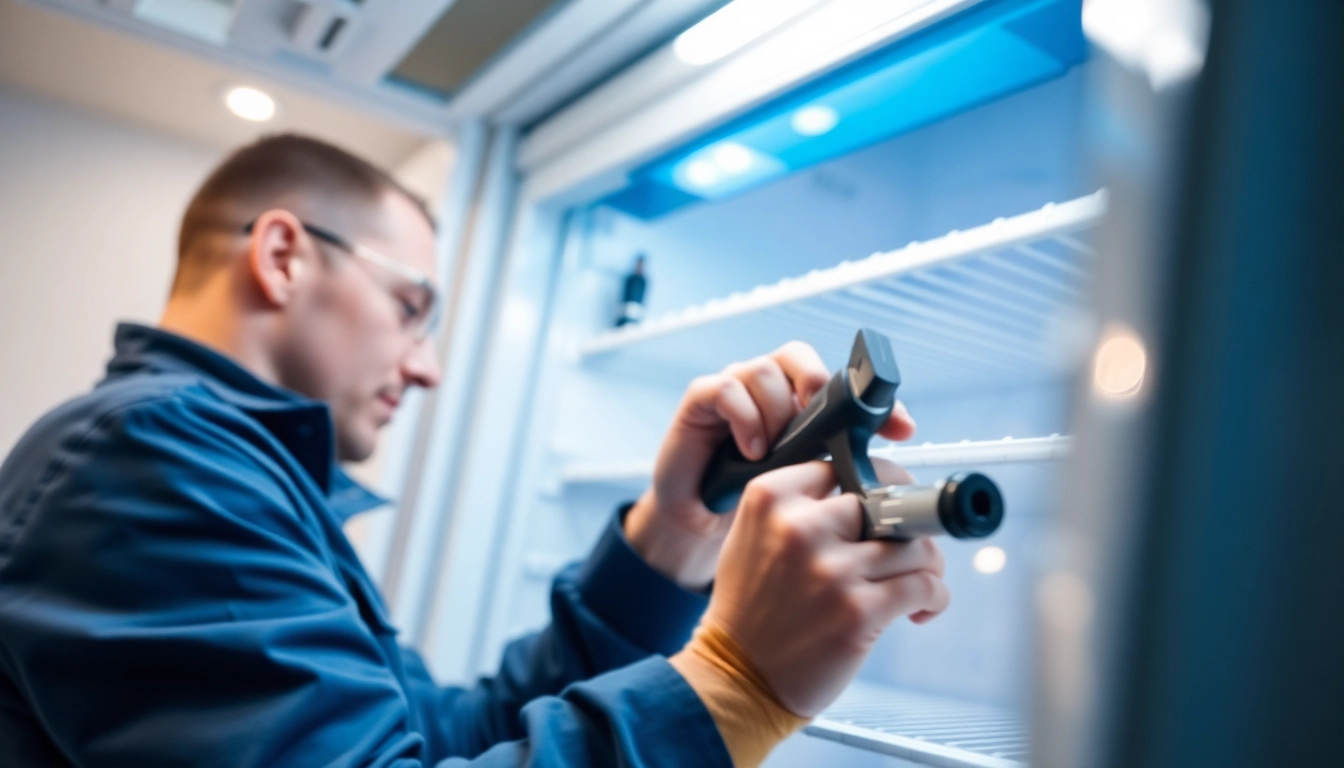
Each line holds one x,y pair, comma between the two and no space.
420,315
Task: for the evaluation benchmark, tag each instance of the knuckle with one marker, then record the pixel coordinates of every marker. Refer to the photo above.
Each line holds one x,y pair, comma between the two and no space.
796,348
759,495
797,542
794,535
725,386
757,371
805,358
830,574
926,586
761,367
703,385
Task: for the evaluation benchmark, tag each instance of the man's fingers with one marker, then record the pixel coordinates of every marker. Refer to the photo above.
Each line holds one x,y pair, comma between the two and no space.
844,516
733,403
919,594
900,426
813,479
848,520
806,372
770,389
882,560
757,398
891,473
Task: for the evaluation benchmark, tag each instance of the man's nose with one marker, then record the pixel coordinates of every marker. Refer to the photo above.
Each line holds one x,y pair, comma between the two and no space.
421,366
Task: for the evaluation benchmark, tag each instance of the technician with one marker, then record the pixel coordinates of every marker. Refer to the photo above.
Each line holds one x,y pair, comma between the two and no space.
175,587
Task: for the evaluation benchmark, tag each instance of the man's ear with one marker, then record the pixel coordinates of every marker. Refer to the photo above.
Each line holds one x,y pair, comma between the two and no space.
274,258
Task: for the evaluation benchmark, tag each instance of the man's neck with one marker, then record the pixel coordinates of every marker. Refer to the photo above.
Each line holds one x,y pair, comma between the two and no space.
206,321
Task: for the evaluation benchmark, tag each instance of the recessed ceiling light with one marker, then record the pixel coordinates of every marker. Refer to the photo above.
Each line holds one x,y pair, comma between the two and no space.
815,120
250,104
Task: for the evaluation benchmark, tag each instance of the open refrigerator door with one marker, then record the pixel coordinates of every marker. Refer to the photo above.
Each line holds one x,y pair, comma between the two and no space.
926,179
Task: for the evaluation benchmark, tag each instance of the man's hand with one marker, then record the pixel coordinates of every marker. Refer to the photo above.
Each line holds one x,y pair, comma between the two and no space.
803,598
669,526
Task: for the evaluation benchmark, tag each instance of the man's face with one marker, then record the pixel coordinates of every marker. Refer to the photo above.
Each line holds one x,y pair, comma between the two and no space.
347,339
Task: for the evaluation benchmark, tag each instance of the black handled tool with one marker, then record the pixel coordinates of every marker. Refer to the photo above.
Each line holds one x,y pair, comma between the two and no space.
839,421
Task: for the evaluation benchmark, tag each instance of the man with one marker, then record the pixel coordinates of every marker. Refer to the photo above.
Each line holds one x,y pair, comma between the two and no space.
175,588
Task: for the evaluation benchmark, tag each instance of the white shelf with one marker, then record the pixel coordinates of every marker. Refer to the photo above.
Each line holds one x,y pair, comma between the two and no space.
1009,450
967,453
931,730
977,308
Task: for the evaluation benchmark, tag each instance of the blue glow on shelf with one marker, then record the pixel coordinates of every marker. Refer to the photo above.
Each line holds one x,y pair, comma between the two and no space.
995,49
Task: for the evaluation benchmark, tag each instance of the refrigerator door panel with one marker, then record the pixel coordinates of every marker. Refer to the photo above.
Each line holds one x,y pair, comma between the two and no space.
421,541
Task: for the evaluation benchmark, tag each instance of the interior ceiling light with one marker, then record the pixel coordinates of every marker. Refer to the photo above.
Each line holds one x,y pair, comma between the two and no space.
250,104
732,157
971,59
723,167
815,120
702,173
733,26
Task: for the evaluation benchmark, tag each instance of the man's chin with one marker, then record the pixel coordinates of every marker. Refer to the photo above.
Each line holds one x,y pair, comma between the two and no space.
352,449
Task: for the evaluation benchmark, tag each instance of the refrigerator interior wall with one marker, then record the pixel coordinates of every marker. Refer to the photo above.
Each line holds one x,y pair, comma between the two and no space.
1006,158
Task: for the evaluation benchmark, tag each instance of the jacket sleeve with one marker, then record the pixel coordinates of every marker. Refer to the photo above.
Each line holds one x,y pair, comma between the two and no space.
165,601
645,714
609,612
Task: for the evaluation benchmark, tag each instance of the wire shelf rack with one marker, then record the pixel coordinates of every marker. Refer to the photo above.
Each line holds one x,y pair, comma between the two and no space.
977,453
972,309
925,729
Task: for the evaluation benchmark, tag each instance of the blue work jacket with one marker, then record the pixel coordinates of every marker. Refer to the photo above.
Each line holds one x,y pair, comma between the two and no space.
175,589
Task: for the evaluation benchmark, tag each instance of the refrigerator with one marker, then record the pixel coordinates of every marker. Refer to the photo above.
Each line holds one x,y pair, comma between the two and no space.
920,168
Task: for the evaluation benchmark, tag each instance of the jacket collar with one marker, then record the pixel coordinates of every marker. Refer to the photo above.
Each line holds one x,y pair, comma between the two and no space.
300,424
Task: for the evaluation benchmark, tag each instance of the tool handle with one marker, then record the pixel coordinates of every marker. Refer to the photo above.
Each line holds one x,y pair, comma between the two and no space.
839,420
729,471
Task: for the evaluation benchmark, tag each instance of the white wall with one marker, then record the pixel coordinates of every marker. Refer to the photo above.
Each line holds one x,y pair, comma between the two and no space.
88,220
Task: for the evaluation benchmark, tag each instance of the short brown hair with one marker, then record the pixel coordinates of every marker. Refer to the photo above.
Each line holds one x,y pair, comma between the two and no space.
274,171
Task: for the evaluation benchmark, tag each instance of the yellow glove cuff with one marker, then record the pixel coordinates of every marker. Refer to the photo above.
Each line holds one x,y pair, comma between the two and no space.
750,719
